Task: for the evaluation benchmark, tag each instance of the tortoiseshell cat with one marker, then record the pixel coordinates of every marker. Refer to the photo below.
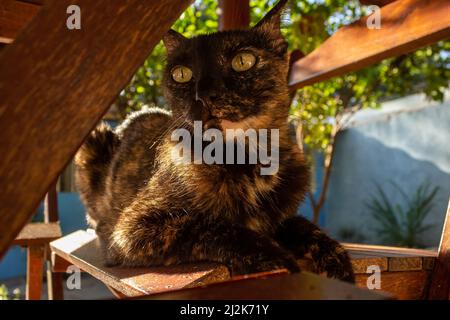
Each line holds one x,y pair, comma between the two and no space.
148,210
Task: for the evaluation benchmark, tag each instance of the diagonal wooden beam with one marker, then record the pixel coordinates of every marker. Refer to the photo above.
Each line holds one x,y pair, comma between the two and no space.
235,14
379,3
14,17
40,2
406,25
55,85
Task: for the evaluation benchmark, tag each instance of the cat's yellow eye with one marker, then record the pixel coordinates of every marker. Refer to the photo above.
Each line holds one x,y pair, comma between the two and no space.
181,74
243,61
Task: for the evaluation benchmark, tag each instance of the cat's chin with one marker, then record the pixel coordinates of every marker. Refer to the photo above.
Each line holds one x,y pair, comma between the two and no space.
227,124
223,124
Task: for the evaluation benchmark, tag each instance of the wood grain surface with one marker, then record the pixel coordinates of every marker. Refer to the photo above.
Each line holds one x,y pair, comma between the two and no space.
38,234
406,25
14,17
299,286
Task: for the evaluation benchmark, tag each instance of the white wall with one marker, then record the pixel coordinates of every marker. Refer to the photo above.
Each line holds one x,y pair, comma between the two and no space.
408,142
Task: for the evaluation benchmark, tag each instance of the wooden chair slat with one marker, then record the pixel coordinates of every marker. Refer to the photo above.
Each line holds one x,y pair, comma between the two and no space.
35,271
386,250
69,82
406,25
38,234
379,3
361,264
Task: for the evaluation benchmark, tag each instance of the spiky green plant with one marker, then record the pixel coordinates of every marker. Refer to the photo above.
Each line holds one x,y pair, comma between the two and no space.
402,225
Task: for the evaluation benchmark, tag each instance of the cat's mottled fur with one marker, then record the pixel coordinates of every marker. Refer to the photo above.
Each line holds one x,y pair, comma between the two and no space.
148,210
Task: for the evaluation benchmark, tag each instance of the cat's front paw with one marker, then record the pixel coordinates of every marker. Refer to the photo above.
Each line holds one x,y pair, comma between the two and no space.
335,262
250,265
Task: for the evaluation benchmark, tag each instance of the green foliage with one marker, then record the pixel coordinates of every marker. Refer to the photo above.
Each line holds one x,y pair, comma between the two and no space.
4,293
402,226
425,70
306,26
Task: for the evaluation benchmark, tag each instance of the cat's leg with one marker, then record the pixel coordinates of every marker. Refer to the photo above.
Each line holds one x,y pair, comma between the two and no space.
301,236
160,239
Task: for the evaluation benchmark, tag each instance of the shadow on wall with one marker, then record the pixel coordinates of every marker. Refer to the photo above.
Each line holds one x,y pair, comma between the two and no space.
360,162
72,217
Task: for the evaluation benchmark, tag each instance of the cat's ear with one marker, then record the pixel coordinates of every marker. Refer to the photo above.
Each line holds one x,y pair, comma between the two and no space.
172,40
271,23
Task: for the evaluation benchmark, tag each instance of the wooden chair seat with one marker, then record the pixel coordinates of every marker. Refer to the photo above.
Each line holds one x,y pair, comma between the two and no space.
81,249
404,272
34,234
35,237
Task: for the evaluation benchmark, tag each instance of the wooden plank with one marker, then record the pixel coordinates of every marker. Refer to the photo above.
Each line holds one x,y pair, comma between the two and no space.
80,248
59,265
54,279
392,251
14,17
55,91
406,285
440,281
235,14
35,271
300,286
405,263
360,265
39,2
51,205
116,293
406,25
38,234
379,3
389,258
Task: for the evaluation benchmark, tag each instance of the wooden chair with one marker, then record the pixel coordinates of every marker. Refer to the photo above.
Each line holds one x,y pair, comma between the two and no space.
36,238
405,273
86,83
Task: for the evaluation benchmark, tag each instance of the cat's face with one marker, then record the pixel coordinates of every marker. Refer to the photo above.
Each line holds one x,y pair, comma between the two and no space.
233,79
